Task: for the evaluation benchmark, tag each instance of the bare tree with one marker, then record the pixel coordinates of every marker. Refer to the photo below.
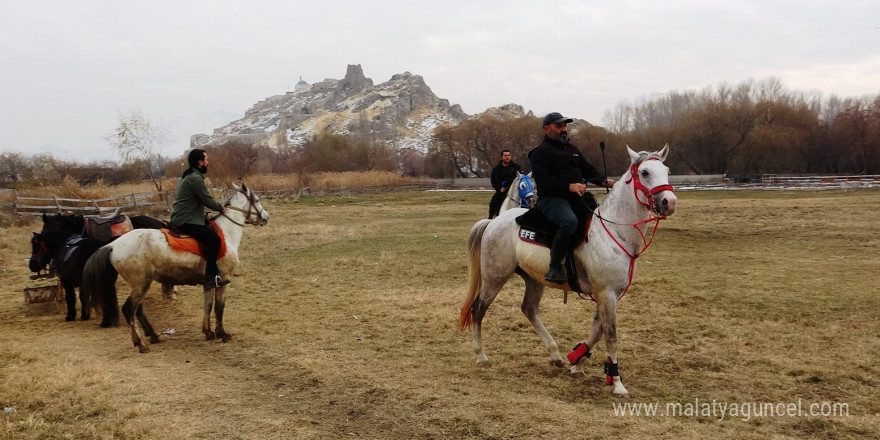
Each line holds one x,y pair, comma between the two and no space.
13,168
136,137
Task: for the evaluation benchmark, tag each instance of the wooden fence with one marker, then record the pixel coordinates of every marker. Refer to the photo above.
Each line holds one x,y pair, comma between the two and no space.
134,202
139,201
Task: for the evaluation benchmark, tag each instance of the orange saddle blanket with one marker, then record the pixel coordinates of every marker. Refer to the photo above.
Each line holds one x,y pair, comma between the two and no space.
186,243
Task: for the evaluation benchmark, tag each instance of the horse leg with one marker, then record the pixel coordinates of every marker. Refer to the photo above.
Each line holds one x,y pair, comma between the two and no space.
208,304
169,291
86,310
128,313
608,312
70,299
531,307
481,304
595,336
145,324
130,309
219,307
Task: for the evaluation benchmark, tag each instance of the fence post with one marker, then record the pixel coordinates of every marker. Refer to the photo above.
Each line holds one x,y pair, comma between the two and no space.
134,202
57,205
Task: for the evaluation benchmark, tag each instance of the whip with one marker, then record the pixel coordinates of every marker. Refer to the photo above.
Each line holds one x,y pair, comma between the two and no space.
604,167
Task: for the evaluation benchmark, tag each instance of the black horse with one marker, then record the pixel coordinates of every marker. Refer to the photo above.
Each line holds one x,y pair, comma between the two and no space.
69,253
61,242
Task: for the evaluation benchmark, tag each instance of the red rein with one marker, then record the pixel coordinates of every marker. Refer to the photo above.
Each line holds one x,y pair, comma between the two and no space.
651,205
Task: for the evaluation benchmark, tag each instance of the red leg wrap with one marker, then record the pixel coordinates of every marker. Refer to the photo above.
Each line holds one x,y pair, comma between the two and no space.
579,351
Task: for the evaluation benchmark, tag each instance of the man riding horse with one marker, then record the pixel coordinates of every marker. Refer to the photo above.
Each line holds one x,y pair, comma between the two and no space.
188,214
560,170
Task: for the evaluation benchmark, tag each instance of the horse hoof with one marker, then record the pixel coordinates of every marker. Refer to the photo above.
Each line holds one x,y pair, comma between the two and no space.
226,338
210,336
154,339
144,349
619,389
482,359
85,318
70,318
556,363
577,370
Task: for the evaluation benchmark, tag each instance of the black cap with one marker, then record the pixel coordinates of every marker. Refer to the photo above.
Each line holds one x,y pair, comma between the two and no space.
556,118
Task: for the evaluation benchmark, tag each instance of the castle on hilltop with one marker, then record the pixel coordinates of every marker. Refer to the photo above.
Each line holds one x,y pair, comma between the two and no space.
301,86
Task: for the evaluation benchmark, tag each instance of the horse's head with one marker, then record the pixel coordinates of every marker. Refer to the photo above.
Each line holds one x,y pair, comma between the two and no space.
40,255
246,201
650,179
525,189
51,223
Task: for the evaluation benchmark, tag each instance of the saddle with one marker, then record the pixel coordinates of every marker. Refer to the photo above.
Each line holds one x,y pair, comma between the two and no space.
71,245
185,243
535,228
106,228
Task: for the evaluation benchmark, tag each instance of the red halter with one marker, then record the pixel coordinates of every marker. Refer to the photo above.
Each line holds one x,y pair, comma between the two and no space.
638,186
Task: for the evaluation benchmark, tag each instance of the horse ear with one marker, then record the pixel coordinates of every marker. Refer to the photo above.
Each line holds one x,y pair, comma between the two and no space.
662,154
234,186
530,174
633,156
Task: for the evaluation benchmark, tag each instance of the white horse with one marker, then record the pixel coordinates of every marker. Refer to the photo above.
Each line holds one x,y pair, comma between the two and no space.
606,261
144,255
520,194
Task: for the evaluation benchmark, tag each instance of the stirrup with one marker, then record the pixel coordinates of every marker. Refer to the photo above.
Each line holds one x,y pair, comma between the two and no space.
215,282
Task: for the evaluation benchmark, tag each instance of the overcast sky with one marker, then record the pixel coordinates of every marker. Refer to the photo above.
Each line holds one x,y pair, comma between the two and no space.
70,67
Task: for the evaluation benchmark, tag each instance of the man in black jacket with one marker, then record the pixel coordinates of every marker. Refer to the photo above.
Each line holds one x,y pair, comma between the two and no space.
502,176
561,172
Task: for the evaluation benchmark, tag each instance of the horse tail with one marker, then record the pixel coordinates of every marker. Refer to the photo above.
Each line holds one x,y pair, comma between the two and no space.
475,240
99,283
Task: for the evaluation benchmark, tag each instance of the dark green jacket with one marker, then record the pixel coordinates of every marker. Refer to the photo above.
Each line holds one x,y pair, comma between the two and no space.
190,199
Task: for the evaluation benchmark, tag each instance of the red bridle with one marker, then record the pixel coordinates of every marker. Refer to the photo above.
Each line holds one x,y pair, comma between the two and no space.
648,193
651,205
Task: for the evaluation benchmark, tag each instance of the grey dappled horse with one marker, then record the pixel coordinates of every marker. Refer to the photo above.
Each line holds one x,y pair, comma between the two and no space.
144,255
605,263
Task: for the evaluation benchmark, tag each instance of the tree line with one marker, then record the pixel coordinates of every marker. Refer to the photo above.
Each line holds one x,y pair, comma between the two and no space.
754,127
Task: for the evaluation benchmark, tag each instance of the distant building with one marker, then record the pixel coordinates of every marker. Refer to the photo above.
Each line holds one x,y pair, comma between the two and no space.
301,86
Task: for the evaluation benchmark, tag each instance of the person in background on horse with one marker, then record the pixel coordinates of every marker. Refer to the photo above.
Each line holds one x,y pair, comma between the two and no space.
502,177
191,197
561,172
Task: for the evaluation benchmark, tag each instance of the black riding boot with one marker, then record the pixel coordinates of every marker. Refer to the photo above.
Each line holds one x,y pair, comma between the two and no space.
557,253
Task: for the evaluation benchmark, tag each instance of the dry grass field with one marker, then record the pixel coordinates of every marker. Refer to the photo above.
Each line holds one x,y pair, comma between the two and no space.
344,322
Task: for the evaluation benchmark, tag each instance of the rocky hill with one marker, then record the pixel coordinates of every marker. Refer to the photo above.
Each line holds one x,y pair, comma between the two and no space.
401,112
